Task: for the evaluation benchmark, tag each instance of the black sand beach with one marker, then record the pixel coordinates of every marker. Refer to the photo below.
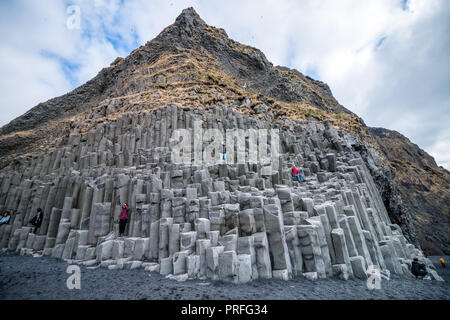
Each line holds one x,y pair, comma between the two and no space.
28,278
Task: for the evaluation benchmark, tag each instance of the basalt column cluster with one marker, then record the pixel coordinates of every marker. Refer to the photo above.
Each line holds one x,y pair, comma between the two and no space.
217,221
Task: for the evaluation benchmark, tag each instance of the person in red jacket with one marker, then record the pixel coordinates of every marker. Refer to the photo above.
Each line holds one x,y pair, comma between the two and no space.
123,218
296,173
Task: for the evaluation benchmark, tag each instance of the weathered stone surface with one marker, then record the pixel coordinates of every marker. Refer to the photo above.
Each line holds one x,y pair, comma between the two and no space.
101,213
212,261
247,225
166,266
187,241
310,249
201,246
276,237
228,266
358,267
295,254
340,249
193,266
179,262
244,268
104,250
263,262
118,249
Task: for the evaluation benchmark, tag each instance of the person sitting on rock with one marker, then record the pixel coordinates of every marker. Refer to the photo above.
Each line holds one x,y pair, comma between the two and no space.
442,261
295,173
5,219
123,218
37,219
418,269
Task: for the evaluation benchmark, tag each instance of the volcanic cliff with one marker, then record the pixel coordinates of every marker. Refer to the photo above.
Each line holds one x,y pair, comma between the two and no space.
193,67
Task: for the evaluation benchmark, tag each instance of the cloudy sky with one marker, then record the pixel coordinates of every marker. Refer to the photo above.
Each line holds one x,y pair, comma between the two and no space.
386,60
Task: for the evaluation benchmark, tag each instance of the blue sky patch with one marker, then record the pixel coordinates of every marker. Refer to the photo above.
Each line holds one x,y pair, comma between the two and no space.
69,68
405,5
380,42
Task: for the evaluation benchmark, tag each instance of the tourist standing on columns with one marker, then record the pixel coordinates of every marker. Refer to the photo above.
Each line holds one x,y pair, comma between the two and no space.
123,218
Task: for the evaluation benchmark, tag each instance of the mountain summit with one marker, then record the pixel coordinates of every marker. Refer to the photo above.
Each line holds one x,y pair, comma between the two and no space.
196,68
188,40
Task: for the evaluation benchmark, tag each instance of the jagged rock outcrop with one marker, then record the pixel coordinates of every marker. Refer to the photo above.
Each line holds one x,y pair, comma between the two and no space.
110,143
421,200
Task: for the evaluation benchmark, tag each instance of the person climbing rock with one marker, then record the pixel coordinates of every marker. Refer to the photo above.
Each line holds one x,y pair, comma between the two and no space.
123,218
442,261
36,221
418,269
6,217
295,173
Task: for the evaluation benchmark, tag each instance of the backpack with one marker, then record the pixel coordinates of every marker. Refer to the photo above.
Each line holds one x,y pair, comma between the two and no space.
33,220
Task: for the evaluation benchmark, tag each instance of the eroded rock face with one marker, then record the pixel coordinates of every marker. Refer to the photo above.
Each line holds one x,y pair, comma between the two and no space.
415,191
200,221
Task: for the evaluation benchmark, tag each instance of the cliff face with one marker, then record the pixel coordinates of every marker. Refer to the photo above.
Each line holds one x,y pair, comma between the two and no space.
423,188
192,65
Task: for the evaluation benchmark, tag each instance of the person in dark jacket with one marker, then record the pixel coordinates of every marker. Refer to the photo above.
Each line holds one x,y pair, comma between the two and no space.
37,219
123,218
223,155
418,269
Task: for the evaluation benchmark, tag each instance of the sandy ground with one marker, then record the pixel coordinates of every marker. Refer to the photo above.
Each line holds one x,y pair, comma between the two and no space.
28,278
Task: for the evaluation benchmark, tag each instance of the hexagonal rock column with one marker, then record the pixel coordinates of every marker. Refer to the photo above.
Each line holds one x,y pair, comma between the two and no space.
228,266
231,219
164,232
263,262
154,240
311,251
179,209
340,249
323,243
201,246
360,241
390,259
293,244
187,241
277,240
166,203
179,262
101,213
247,224
212,261
246,245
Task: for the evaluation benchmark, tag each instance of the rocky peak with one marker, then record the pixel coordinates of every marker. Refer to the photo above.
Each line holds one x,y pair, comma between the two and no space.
246,66
189,21
187,31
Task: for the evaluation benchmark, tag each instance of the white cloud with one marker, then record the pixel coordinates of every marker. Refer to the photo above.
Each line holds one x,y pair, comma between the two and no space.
34,52
390,66
27,79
